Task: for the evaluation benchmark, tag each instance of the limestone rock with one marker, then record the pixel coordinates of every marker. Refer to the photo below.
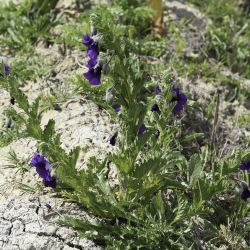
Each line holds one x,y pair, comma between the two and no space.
181,10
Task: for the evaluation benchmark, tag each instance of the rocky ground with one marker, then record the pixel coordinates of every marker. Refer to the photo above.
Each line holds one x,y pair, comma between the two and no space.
229,134
27,220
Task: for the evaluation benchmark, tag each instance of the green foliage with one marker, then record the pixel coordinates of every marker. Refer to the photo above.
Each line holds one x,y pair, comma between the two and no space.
243,120
16,162
71,32
96,94
22,24
29,68
15,123
229,34
42,7
151,234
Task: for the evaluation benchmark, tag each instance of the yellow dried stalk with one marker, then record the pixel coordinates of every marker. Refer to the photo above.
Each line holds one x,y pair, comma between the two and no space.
157,21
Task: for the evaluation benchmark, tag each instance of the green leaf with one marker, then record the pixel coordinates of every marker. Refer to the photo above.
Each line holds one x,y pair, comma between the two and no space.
159,206
173,184
73,157
46,6
26,188
34,107
33,129
49,130
196,166
21,99
191,137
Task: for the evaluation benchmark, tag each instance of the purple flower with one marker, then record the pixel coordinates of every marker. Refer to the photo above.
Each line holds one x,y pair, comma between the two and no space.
6,69
245,194
50,183
180,98
170,81
117,109
91,63
142,129
93,51
42,168
94,75
155,108
245,165
87,40
158,90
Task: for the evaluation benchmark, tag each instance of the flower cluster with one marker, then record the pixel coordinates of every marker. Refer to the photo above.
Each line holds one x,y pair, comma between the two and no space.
179,98
94,69
43,169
